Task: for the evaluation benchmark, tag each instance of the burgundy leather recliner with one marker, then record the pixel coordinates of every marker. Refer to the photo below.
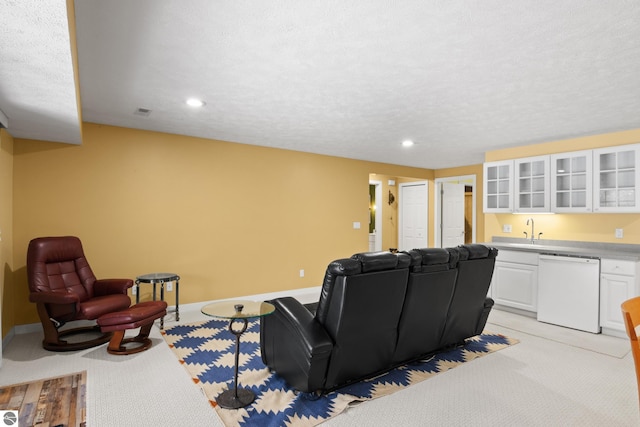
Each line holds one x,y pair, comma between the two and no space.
65,289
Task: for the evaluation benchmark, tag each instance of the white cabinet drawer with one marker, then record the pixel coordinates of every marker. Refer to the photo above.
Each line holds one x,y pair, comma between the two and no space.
614,266
520,257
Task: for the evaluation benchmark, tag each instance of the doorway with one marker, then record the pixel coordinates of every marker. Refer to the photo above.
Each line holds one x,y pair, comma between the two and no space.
452,212
375,215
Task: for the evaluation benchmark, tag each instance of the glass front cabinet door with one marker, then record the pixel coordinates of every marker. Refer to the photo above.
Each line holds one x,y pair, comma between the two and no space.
532,184
498,187
572,182
616,179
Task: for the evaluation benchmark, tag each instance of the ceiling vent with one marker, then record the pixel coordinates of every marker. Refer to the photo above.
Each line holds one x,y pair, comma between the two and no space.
142,112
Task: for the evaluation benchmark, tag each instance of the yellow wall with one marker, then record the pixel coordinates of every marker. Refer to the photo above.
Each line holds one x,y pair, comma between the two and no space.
580,227
7,286
231,219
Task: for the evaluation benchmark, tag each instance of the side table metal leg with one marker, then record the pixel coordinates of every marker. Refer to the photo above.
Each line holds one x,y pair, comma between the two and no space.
236,398
177,300
162,299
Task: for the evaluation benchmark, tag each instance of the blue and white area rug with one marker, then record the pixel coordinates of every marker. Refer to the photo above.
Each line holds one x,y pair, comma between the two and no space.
207,351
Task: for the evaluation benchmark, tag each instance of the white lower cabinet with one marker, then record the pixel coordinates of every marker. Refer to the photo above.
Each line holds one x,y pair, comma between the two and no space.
515,280
618,283
515,285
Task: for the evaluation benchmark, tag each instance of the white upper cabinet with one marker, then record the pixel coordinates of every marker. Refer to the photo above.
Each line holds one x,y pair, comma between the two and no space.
498,187
532,184
601,181
616,179
572,182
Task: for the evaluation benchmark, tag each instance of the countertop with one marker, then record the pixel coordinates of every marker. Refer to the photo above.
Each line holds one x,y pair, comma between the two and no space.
618,251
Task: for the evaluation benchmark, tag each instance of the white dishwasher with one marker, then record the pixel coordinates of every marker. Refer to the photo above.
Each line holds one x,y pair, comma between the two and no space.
569,291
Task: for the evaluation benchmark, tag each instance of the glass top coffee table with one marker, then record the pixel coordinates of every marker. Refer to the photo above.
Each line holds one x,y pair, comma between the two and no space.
237,312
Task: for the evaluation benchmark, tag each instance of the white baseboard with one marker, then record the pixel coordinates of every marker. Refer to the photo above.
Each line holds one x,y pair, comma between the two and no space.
6,340
304,295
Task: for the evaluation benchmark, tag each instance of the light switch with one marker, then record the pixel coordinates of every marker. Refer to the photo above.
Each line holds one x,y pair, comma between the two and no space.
356,225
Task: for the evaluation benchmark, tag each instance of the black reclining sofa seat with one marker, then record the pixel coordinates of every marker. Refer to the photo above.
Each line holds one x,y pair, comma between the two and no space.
354,331
470,306
430,288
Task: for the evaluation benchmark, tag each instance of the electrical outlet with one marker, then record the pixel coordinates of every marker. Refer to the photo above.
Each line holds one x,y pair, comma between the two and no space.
506,228
619,233
134,290
169,286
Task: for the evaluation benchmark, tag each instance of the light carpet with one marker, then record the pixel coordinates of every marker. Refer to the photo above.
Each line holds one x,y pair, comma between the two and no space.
206,350
58,401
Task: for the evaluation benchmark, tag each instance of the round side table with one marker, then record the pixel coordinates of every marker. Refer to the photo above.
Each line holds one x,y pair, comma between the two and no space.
160,278
238,312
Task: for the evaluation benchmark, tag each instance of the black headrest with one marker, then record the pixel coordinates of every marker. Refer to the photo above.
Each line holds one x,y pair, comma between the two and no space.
476,251
433,259
433,256
377,261
345,267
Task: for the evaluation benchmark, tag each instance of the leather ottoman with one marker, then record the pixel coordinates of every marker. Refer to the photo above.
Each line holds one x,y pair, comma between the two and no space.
140,316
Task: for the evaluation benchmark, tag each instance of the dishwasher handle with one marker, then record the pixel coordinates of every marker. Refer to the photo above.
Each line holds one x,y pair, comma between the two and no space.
568,258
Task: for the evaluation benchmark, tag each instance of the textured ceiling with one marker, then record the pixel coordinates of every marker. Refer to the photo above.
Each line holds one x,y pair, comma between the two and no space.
37,87
350,79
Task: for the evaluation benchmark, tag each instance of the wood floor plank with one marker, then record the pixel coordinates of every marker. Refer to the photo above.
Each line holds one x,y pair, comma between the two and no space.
49,401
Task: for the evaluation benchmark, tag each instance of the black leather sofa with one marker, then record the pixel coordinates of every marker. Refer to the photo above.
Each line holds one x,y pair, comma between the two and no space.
376,311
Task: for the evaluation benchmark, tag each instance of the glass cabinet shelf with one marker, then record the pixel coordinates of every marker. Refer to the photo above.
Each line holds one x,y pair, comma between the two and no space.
532,184
572,182
616,179
498,179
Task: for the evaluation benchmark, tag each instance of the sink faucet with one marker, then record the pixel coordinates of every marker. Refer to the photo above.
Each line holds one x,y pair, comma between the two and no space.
533,235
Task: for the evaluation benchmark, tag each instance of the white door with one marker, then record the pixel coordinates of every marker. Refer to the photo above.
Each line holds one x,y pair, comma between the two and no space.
452,214
413,214
468,212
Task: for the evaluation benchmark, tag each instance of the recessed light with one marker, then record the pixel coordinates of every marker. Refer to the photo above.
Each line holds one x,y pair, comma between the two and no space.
407,143
193,102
